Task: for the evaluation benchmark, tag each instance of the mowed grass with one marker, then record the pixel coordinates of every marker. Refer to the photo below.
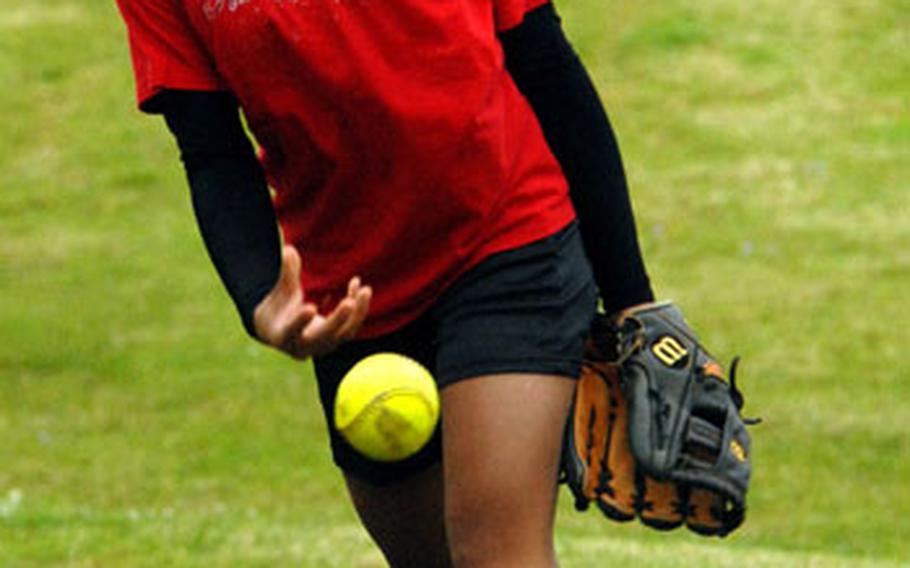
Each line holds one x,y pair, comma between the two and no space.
767,145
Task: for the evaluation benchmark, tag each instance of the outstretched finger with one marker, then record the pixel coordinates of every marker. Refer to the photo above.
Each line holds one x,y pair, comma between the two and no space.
353,287
293,327
322,334
361,306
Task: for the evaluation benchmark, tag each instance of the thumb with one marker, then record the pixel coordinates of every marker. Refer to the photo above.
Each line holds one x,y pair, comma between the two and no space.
289,281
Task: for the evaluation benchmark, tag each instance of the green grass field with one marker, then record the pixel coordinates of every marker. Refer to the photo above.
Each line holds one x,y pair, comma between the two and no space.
768,145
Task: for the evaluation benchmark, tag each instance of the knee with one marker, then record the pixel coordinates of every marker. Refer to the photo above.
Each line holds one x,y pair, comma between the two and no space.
470,532
499,531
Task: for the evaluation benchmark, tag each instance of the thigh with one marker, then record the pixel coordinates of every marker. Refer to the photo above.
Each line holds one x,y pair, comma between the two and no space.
503,435
399,503
414,341
405,518
505,343
511,335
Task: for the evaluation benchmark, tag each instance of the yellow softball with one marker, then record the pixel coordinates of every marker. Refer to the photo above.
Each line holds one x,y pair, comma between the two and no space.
387,407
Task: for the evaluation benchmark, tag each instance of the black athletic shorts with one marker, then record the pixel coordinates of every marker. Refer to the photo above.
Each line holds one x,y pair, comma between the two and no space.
525,310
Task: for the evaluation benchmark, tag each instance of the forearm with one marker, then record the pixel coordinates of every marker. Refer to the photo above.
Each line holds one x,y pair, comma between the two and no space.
230,197
555,83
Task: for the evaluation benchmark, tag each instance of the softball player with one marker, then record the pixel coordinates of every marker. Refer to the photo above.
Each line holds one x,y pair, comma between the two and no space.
423,210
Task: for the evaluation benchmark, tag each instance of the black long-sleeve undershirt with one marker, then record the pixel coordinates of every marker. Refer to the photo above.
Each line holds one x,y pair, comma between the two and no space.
553,79
230,196
233,207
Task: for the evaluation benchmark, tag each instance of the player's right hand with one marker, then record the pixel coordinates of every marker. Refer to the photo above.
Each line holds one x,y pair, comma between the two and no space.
285,321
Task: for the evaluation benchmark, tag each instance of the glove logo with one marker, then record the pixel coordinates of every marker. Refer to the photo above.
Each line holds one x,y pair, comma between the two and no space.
670,351
738,451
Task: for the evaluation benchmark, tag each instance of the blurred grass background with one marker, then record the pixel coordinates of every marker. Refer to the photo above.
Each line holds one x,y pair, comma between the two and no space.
767,145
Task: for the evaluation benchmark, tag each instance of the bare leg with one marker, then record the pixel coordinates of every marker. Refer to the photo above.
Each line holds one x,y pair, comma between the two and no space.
405,519
501,441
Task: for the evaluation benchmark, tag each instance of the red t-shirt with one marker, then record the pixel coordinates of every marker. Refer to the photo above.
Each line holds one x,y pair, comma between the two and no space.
398,146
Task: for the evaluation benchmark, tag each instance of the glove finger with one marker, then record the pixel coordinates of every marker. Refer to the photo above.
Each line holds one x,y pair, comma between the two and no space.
659,503
713,513
704,509
617,489
586,437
